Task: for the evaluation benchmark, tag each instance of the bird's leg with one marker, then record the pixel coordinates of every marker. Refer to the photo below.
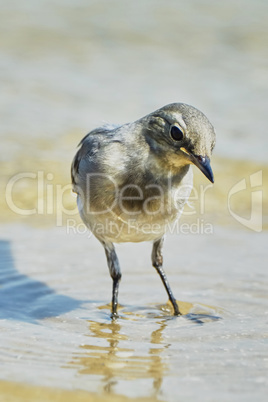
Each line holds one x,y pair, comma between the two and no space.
115,273
157,260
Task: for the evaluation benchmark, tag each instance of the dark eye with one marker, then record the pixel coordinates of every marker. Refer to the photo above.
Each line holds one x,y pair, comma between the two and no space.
176,133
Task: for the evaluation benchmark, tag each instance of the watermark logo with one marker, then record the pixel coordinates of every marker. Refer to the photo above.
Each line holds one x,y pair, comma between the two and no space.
254,222
49,196
124,206
130,200
119,230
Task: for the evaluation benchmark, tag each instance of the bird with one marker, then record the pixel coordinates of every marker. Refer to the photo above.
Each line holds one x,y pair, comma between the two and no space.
133,180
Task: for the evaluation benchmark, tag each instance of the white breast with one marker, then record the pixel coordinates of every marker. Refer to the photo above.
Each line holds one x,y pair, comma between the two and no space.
117,225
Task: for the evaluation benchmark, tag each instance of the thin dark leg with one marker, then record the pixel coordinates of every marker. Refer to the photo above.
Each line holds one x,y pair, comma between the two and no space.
115,273
115,296
157,260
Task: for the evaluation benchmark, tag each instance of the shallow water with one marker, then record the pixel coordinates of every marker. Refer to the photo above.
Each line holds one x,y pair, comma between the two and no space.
67,67
56,326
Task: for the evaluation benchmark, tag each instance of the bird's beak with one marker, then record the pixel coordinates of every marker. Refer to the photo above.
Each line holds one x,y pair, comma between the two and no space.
202,162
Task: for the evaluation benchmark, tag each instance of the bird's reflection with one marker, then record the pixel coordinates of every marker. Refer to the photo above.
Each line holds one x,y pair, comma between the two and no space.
115,360
128,349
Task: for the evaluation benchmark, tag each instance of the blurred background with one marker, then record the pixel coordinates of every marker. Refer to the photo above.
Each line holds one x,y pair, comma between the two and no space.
69,66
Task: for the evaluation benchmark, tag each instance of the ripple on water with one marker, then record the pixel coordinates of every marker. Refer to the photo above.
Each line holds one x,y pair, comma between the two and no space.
54,320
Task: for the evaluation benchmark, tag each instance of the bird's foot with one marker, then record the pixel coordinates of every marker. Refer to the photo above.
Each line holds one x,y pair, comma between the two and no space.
114,316
177,314
176,308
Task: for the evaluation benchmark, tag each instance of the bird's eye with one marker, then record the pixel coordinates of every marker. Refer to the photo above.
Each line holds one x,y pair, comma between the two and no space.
176,133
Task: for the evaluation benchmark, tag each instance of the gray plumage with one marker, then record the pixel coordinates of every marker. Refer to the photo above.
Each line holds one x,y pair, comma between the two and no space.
133,180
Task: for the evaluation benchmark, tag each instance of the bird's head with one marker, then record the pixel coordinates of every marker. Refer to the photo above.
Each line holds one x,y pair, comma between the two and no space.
181,135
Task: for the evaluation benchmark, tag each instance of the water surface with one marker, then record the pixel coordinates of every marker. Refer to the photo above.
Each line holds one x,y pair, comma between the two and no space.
67,67
56,318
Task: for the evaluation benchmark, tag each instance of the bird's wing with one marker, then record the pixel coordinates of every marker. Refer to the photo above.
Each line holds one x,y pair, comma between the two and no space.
86,146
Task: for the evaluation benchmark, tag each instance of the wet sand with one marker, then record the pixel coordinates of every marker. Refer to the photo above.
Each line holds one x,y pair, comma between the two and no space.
13,392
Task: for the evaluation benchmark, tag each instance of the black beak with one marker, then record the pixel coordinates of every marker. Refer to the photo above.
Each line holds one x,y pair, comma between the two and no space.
203,163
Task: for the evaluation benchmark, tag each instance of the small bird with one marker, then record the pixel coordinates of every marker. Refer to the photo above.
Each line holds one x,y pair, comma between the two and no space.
133,180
